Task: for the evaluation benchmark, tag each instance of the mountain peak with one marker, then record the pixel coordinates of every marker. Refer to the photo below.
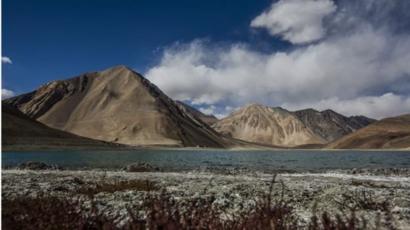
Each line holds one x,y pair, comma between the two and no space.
308,110
254,105
329,124
120,67
251,108
116,105
266,125
329,111
279,109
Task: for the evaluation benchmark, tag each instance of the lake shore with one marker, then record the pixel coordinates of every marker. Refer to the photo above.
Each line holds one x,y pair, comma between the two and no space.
335,192
119,147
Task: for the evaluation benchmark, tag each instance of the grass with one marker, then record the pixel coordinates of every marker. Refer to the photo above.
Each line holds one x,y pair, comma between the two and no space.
362,200
135,185
163,211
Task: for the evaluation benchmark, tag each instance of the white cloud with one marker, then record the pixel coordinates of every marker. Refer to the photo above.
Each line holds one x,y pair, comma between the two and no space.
364,65
297,21
6,60
217,112
386,105
5,93
208,110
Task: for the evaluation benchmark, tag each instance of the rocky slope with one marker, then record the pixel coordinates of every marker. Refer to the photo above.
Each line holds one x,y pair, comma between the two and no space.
20,132
116,105
330,125
387,133
266,125
208,119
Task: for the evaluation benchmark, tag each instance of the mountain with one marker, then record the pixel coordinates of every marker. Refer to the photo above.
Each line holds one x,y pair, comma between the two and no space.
208,119
266,125
387,133
330,125
116,105
22,132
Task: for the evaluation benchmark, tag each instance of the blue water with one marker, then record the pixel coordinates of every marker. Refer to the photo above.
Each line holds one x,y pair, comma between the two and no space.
292,160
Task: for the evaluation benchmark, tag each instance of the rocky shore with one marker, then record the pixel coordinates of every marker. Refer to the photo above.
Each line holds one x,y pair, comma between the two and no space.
371,194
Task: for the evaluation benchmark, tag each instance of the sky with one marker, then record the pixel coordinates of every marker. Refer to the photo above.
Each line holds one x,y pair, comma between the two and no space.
217,55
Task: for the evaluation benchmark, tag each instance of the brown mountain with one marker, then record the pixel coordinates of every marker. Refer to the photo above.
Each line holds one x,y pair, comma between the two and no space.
116,105
266,125
330,125
387,133
20,132
208,119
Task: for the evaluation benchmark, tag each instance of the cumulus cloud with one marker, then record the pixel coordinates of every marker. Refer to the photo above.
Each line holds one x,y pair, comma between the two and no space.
5,93
359,68
219,112
208,110
386,105
6,60
297,21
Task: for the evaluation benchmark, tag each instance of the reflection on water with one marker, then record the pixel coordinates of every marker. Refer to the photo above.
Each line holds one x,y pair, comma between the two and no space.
294,160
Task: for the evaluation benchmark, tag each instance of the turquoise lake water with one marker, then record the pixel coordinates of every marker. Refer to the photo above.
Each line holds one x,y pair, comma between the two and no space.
282,160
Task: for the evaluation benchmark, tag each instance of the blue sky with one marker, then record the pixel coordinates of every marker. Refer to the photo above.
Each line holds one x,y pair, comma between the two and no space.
48,40
349,56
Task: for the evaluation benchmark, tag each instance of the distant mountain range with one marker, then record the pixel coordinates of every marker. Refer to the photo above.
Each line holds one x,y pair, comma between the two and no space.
388,133
330,125
266,125
120,106
280,127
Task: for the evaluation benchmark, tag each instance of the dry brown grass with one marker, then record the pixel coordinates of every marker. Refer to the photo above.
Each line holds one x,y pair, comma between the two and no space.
135,185
361,200
163,211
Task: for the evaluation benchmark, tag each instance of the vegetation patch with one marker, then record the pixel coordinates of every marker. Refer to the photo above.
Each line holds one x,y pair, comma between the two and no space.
163,211
123,185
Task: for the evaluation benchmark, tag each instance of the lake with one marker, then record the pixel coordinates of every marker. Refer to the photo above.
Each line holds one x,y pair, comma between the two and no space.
291,160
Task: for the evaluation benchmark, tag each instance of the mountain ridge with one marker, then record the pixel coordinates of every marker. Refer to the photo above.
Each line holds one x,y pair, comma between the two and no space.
116,105
21,132
119,105
388,133
331,125
306,127
266,125
209,119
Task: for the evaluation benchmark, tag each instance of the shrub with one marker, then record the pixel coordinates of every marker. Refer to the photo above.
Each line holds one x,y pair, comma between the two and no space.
163,211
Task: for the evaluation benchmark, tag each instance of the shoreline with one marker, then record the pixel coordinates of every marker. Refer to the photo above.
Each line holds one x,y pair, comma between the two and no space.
234,149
